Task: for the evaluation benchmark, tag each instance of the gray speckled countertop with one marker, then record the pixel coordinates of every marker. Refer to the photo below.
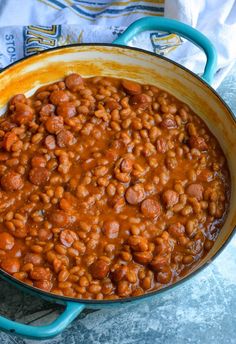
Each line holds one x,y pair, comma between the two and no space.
203,311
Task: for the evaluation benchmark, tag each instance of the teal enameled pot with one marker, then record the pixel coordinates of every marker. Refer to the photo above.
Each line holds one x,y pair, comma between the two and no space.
117,60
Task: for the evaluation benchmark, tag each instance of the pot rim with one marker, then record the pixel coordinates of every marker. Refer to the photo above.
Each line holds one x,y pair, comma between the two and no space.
65,299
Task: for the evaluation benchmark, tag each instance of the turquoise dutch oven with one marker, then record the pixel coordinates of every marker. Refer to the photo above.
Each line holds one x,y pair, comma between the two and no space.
117,60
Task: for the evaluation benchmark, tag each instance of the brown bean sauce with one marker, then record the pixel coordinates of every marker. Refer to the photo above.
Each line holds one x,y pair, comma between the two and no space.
108,188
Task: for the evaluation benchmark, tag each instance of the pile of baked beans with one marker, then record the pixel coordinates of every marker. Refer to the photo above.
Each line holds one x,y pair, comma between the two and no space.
108,188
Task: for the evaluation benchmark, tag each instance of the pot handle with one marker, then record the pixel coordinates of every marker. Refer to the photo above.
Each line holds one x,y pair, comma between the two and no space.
47,331
174,26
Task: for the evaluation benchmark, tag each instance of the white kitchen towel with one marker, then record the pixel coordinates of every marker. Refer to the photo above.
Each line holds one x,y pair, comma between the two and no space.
30,26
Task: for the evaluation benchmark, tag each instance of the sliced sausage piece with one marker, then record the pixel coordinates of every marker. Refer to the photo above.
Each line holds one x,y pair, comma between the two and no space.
54,124
126,165
176,230
67,237
164,276
151,208
60,218
111,229
39,176
41,95
119,273
4,156
65,138
195,190
99,269
112,105
18,98
198,142
12,181
47,111
162,145
34,258
11,265
9,139
73,82
206,176
44,285
44,234
23,113
168,122
59,96
38,161
140,101
50,142
131,87
66,110
135,194
7,241
159,263
41,274
170,198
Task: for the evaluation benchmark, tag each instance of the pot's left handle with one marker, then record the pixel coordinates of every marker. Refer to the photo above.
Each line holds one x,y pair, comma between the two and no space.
174,26
47,331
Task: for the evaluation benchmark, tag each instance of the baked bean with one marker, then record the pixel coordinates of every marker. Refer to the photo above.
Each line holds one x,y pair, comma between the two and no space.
11,265
6,241
109,188
123,288
40,274
143,257
138,243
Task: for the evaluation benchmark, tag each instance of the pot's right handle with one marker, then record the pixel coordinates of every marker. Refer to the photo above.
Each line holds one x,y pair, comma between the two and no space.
174,26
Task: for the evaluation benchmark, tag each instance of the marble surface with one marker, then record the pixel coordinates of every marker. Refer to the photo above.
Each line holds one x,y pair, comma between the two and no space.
203,311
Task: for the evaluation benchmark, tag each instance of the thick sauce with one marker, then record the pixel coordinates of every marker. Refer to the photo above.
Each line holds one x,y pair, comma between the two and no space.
108,188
